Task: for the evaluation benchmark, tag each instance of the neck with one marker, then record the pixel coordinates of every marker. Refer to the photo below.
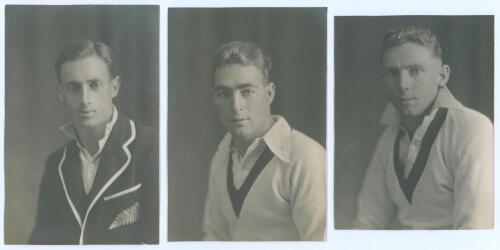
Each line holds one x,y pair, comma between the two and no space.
242,144
411,123
89,137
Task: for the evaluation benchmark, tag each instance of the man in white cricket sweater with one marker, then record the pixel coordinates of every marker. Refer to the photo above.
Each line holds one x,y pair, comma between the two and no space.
433,165
267,181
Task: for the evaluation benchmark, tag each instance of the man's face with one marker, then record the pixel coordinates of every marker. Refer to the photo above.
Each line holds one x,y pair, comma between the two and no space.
412,75
242,98
87,90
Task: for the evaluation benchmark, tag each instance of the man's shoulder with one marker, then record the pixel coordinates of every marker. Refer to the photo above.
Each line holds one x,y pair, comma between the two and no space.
145,143
467,119
55,157
302,146
143,134
222,149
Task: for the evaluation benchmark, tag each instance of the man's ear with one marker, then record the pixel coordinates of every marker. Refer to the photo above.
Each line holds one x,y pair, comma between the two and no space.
444,75
60,92
115,85
270,91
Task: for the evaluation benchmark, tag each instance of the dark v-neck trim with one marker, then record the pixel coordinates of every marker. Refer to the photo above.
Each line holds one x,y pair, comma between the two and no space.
409,184
238,196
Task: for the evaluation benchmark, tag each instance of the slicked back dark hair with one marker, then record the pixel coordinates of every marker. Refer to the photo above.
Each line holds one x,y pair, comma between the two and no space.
82,49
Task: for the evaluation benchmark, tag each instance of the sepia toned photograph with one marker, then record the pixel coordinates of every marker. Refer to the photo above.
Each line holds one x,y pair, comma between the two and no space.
413,122
247,124
81,124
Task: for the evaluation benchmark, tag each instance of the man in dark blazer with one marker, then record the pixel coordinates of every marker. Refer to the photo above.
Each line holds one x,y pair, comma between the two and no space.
102,186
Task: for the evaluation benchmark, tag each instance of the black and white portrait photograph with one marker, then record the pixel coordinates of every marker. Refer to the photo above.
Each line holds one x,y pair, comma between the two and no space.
81,124
247,124
414,122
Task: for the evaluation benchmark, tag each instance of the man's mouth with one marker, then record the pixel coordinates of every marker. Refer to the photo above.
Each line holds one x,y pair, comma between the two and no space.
408,100
237,120
86,112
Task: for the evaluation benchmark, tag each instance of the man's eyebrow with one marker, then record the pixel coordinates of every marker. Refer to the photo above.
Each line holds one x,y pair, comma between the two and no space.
92,80
218,87
415,66
239,86
72,82
404,67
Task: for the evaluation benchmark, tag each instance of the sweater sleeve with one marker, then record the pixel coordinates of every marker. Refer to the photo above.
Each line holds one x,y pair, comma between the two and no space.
308,191
473,183
376,210
46,230
214,222
149,198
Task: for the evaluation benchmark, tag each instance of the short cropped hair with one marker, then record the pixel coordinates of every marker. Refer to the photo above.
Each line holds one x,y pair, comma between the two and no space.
412,34
82,49
244,53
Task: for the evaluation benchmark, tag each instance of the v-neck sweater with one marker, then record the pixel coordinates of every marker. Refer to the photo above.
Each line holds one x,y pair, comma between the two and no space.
286,202
455,190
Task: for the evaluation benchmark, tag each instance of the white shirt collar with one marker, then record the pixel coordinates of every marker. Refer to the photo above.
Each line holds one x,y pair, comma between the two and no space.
277,138
444,99
70,130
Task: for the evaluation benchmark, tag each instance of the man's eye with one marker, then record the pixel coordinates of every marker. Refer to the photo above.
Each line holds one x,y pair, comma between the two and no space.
414,71
73,87
222,93
391,74
94,85
246,92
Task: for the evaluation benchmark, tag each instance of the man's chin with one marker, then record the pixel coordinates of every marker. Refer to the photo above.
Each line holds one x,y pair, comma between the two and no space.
408,110
411,112
240,134
87,123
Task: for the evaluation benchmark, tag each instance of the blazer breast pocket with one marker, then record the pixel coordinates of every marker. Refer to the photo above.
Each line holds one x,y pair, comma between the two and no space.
123,192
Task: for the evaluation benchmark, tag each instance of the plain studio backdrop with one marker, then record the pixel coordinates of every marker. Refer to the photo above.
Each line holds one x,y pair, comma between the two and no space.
467,43
34,37
295,38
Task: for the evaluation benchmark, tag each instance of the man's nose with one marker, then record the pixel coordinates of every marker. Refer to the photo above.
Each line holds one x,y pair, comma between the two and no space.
404,81
237,101
84,95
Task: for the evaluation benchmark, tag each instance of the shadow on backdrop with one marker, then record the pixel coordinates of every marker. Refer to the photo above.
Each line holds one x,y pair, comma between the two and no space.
467,43
34,35
295,39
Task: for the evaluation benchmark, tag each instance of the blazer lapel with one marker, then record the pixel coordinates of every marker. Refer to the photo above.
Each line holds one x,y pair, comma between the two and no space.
113,156
115,159
71,179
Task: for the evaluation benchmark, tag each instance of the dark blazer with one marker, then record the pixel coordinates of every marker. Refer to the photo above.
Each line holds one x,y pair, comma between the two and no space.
121,207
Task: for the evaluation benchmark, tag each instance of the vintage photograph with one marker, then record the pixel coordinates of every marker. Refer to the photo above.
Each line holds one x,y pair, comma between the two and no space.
247,124
413,122
81,124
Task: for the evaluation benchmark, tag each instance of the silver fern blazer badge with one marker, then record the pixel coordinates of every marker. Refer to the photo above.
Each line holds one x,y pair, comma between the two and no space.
127,216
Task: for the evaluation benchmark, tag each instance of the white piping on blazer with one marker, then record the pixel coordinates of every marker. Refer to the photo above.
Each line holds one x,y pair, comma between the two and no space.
124,192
